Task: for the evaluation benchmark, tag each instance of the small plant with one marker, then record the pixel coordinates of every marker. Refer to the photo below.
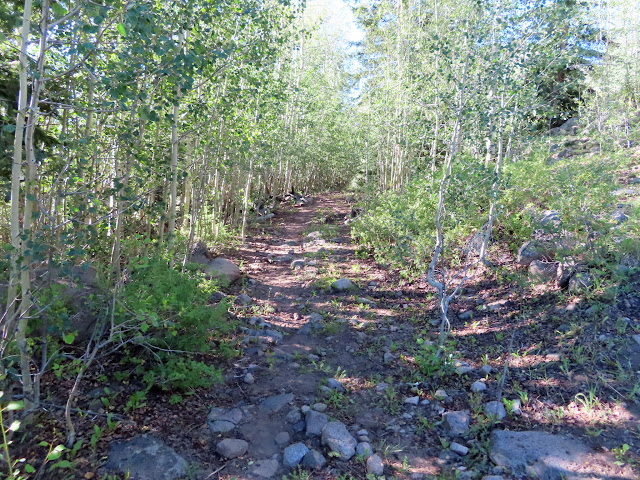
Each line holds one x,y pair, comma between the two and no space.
14,467
620,453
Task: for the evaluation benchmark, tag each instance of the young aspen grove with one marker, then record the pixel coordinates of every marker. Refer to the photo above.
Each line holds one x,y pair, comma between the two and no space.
146,146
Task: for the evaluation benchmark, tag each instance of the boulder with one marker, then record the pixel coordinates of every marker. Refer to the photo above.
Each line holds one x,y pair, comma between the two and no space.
225,271
538,455
314,459
337,438
580,281
145,458
265,468
232,447
294,454
375,465
342,285
276,403
316,421
456,423
540,271
533,250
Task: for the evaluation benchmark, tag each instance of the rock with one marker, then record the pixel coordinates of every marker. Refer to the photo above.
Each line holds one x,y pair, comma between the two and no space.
248,379
336,436
316,421
412,400
540,271
580,281
297,264
294,415
550,217
145,458
342,285
243,300
618,217
294,454
364,449
276,403
497,305
478,386
465,315
232,447
216,297
456,423
532,250
440,394
538,454
265,218
486,369
493,477
315,317
282,438
269,336
459,449
225,271
265,468
314,459
564,272
375,465
388,358
320,407
305,409
495,409
334,384
516,407
221,420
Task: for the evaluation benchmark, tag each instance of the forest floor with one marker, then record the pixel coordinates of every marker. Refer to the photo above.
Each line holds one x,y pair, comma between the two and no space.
569,368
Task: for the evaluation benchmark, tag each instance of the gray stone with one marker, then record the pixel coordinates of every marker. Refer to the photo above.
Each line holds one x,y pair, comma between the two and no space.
294,454
465,315
342,285
265,468
294,415
313,358
495,409
564,272
412,400
314,459
486,369
336,436
282,438
243,299
276,403
478,386
364,449
248,378
225,271
320,407
221,420
232,447
441,394
619,217
580,281
540,271
334,384
145,458
316,421
375,465
456,423
493,477
388,358
459,449
271,336
530,251
315,317
551,217
538,454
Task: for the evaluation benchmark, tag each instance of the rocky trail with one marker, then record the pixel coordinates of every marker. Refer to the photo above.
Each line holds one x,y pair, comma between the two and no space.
332,382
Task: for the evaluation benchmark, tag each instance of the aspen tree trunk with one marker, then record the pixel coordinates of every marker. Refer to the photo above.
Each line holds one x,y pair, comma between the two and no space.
30,208
16,173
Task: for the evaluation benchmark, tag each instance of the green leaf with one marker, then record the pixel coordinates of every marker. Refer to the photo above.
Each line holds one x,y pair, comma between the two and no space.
59,9
9,128
15,406
14,426
144,327
122,30
55,453
28,468
68,338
